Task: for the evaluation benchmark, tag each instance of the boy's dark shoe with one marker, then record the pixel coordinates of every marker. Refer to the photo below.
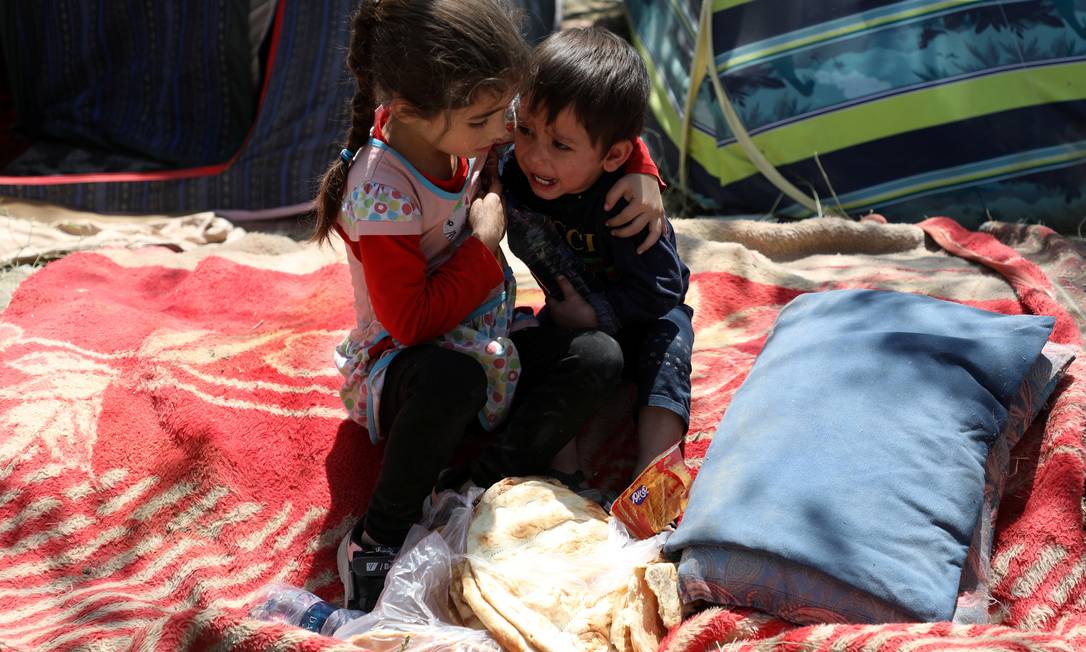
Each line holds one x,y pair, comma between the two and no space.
578,484
453,478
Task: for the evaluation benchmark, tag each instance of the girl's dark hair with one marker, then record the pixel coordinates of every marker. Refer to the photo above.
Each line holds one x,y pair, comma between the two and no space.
435,54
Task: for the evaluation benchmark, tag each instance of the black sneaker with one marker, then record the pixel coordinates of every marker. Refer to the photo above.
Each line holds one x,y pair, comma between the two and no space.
363,575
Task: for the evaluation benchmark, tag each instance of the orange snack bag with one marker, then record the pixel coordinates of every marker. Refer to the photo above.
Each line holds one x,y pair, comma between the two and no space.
656,497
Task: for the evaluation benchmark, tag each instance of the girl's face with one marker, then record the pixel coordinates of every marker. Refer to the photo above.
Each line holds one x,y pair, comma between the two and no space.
471,131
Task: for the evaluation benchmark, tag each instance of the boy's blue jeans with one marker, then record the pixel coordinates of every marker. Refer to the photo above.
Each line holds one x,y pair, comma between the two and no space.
657,356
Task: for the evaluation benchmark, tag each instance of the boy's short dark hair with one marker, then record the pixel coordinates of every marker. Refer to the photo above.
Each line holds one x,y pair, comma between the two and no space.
597,74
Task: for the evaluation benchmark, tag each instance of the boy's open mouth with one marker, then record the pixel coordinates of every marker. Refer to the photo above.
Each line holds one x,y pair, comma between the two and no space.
544,181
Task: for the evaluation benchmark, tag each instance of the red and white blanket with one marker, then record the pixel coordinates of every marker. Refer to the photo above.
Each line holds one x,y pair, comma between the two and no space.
171,438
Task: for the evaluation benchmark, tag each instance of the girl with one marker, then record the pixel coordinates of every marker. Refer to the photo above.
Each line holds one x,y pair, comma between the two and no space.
430,358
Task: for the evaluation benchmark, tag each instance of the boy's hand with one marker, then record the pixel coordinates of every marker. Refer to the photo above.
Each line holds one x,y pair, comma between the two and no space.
645,208
572,311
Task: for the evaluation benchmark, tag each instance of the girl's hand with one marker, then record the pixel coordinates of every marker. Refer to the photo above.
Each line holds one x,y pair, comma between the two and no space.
571,311
489,176
645,208
487,216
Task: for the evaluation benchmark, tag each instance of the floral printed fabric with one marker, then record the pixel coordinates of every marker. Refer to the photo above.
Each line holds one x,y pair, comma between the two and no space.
376,202
482,335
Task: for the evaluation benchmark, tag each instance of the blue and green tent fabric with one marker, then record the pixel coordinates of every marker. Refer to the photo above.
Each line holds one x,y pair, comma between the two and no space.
909,108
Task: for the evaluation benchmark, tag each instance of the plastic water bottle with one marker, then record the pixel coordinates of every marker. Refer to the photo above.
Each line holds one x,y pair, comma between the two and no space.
290,604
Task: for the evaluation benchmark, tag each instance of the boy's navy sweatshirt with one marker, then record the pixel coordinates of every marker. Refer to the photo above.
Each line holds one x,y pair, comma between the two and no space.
623,287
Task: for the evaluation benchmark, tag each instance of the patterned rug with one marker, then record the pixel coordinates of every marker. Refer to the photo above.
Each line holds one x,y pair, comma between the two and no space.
171,439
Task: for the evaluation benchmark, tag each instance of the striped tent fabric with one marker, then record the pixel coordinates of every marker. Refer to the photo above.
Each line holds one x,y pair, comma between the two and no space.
145,94
909,108
300,113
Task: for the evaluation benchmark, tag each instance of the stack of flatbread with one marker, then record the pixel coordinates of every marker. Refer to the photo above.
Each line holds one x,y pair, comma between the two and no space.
540,574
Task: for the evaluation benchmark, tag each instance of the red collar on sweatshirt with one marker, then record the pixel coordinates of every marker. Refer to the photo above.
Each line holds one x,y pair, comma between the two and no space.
454,184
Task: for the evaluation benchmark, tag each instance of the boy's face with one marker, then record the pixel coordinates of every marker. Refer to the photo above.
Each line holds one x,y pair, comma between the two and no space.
560,158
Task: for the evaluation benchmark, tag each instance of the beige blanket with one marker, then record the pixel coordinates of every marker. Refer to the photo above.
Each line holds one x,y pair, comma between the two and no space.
32,232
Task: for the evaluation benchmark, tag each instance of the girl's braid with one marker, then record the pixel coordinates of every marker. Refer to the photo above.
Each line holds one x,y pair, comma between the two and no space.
362,106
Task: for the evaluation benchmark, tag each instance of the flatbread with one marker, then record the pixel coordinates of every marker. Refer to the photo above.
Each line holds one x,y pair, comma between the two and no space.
645,628
503,632
663,580
464,615
378,640
636,625
534,552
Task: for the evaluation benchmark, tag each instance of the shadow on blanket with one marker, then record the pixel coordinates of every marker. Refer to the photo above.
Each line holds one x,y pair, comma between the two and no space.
173,438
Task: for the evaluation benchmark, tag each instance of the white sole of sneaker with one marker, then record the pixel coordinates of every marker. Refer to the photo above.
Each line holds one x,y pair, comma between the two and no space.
344,566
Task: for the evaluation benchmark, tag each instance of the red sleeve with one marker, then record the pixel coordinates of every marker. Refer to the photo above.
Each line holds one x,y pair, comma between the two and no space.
415,306
640,162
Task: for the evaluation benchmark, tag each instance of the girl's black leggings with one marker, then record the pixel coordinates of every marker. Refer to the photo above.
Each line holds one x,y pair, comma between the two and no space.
430,403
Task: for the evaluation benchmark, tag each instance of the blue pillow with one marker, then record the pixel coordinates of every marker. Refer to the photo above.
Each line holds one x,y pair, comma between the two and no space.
974,591
745,578
857,445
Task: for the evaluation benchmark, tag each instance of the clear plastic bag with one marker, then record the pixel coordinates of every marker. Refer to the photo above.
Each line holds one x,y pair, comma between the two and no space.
624,553
412,612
